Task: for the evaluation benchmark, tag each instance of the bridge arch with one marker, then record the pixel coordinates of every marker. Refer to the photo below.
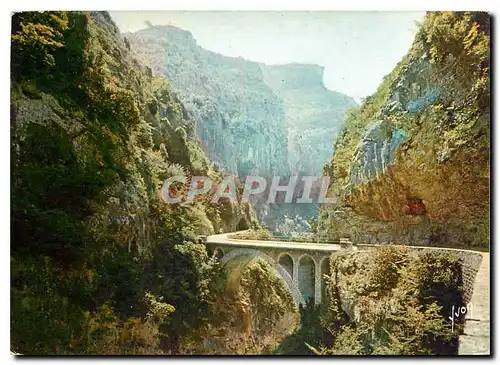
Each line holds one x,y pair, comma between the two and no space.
307,276
286,260
254,254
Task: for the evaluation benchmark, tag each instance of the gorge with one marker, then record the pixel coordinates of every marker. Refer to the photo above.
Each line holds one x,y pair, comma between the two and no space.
252,118
100,264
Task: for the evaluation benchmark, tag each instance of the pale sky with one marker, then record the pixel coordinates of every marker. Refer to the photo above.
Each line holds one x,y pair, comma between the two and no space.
357,49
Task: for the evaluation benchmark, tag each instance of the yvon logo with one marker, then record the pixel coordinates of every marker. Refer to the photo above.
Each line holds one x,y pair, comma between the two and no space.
457,312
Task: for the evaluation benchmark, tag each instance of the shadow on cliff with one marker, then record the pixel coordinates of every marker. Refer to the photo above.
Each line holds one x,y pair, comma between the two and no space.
310,332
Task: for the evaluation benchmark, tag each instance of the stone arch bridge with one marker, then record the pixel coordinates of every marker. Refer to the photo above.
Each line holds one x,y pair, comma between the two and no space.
301,265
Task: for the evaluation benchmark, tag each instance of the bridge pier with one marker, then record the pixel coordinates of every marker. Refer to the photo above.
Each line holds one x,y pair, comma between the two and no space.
296,272
317,283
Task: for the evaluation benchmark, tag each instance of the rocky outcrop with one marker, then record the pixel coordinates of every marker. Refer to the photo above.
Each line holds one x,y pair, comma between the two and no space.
238,118
314,115
114,97
93,138
250,116
376,151
412,164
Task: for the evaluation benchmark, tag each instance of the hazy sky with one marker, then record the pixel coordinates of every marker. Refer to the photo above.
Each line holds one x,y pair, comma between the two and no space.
357,49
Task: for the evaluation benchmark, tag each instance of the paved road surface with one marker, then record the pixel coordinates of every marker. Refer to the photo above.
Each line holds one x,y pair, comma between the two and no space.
476,337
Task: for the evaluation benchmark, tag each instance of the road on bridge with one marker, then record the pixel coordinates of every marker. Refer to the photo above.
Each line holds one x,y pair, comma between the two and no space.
226,239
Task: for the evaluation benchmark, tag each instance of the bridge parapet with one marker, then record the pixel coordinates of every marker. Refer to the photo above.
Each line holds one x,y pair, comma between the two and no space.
280,251
302,265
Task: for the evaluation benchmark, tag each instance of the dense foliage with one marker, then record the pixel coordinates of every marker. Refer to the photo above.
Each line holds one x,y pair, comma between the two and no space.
390,301
99,263
253,310
239,120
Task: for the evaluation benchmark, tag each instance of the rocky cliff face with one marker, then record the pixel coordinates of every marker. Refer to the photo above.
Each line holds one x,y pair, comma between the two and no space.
412,164
251,117
112,113
396,290
314,115
93,137
239,119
